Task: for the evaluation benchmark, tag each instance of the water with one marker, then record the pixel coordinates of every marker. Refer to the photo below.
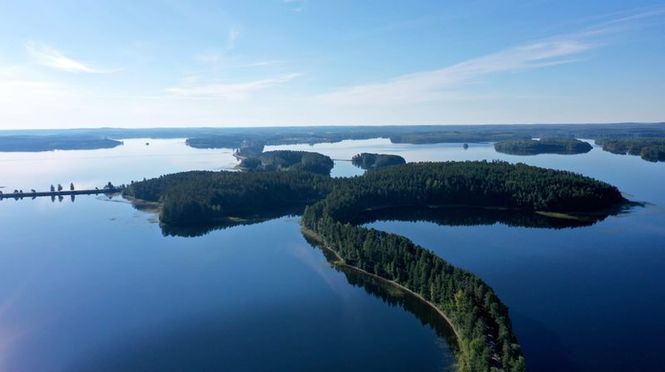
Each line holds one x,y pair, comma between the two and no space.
588,298
132,161
95,283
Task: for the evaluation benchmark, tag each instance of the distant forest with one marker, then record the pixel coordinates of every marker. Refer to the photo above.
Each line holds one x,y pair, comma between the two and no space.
250,141
564,146
288,160
25,143
374,161
650,149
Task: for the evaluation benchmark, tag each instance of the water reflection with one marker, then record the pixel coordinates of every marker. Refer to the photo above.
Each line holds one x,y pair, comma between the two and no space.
395,296
190,231
473,216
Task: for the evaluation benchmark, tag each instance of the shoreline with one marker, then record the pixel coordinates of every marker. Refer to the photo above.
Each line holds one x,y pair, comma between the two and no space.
340,261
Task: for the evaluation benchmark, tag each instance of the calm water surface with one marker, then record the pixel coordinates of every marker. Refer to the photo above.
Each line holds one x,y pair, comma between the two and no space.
589,298
94,285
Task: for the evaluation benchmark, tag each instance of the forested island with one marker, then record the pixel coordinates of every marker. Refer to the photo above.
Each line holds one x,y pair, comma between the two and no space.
23,143
207,198
286,160
336,207
458,136
239,138
373,161
563,146
650,149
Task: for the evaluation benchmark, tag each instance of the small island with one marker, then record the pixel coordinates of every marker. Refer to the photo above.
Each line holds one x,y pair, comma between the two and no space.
374,161
286,160
38,143
562,146
649,149
335,209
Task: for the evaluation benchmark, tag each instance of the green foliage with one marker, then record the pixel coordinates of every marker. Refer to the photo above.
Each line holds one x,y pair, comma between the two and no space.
459,136
55,142
373,161
201,197
289,160
650,149
336,206
486,341
543,146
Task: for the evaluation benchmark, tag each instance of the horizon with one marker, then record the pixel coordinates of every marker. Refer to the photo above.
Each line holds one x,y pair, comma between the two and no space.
289,126
294,63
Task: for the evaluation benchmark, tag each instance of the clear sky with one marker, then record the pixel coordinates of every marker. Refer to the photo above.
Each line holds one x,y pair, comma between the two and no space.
149,63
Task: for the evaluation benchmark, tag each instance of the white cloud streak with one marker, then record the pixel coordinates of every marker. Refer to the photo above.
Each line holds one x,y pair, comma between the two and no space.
429,85
53,58
230,91
435,85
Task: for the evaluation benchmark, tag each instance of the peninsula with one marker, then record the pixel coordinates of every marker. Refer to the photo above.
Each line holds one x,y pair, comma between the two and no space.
334,211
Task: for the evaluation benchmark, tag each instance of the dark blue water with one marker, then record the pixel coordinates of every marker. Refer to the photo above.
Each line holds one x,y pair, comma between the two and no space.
589,298
94,285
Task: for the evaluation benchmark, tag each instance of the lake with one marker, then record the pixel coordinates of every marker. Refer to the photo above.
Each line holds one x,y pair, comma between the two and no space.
95,285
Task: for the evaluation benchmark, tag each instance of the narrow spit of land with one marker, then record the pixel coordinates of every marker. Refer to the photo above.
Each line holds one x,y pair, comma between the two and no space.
339,261
37,194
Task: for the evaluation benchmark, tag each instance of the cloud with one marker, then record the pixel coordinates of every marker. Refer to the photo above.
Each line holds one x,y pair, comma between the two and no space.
270,62
53,58
230,91
430,85
435,85
231,38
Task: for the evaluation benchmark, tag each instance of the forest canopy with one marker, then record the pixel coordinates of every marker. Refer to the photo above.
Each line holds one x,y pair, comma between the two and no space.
564,146
650,149
336,207
373,161
25,143
286,160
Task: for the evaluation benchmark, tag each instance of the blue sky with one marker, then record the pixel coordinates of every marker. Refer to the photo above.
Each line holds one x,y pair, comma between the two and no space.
155,63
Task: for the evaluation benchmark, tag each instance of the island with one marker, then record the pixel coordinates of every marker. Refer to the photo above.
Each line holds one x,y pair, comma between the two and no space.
649,149
232,138
458,136
373,161
562,146
286,160
336,208
24,143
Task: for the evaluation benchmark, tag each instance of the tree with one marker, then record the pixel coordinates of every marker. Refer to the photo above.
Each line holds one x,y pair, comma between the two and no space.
52,188
71,186
60,187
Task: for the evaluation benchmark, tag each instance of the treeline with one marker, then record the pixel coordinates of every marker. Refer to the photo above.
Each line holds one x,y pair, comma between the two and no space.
55,142
543,146
201,197
373,161
337,206
480,184
650,149
288,160
478,316
458,136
